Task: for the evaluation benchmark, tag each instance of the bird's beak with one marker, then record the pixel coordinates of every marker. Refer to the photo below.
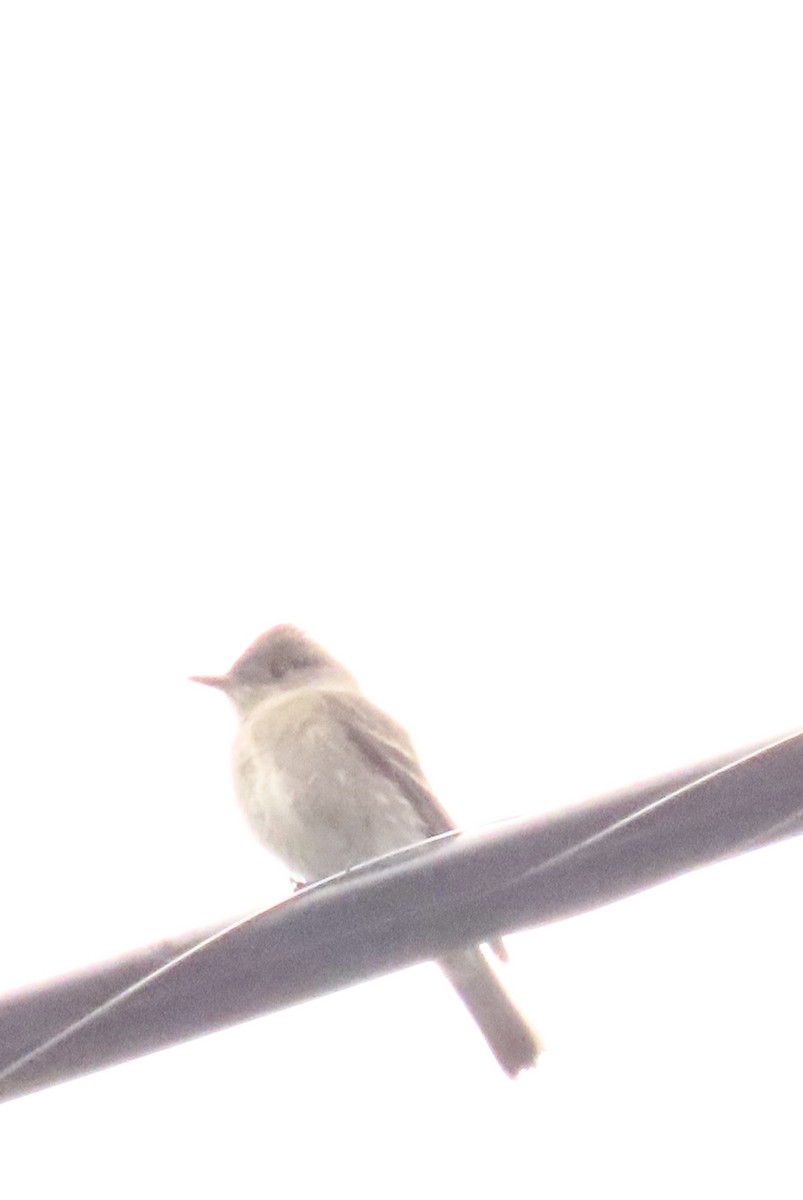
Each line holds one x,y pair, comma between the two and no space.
215,681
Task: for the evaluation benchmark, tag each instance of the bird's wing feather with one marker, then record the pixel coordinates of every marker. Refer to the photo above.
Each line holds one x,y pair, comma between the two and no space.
386,745
389,750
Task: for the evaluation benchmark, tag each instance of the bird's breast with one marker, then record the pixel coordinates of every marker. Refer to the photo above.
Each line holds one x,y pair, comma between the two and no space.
311,796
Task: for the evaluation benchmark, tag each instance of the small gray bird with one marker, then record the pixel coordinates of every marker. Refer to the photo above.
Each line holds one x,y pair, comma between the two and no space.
327,780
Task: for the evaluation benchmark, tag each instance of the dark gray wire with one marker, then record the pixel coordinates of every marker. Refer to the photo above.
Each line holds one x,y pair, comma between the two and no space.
410,906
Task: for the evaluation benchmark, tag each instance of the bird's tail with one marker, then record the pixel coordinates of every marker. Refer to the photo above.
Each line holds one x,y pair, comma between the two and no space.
514,1044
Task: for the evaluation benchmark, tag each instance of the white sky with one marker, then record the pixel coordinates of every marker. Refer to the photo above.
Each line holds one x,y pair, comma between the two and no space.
467,337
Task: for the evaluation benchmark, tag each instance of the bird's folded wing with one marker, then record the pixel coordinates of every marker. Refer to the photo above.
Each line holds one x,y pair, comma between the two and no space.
386,745
389,750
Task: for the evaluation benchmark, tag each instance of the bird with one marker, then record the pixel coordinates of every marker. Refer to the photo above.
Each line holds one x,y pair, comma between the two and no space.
327,780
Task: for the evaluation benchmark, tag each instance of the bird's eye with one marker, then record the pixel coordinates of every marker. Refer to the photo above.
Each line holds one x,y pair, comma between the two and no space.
279,666
290,658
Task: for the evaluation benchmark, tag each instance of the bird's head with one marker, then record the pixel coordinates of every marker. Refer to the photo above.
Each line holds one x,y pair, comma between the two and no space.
283,659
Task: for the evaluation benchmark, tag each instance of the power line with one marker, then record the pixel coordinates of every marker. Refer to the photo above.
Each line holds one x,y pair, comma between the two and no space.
411,906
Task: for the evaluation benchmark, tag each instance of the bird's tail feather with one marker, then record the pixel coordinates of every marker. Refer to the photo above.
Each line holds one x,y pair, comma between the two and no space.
514,1044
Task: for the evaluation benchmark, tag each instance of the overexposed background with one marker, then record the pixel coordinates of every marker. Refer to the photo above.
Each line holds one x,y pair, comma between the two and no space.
467,337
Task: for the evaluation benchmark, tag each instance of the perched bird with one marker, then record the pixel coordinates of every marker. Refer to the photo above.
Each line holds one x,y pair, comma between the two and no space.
327,780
